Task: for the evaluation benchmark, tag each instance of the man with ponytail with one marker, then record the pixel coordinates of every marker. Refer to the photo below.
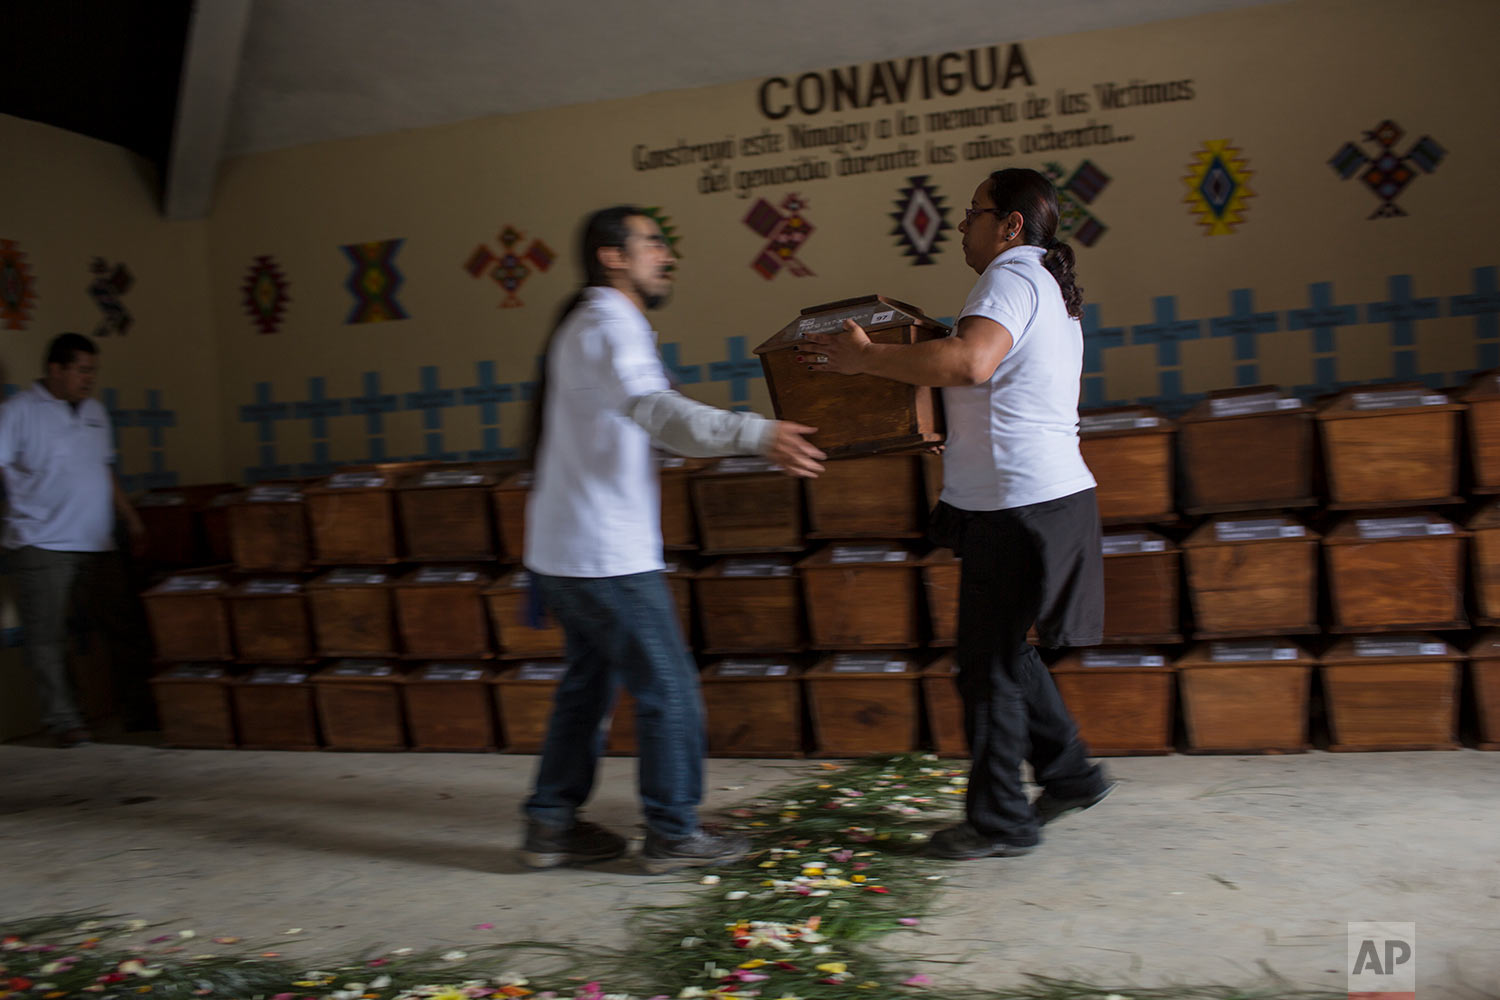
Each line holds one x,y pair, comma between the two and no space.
594,549
1017,507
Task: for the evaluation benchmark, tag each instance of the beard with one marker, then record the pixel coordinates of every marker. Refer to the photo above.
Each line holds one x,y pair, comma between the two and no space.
654,300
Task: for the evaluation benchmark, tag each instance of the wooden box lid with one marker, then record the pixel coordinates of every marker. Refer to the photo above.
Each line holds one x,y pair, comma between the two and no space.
752,668
677,465
271,674
1246,653
873,312
532,672
460,672
257,587
193,673
1150,659
944,666
1361,529
516,482
359,671
863,666
1485,518
1385,400
1486,646
866,555
449,478
740,465
353,578
509,582
1248,529
1422,647
1247,401
1135,542
1483,386
940,557
466,575
1120,421
365,481
680,568
190,585
268,493
749,568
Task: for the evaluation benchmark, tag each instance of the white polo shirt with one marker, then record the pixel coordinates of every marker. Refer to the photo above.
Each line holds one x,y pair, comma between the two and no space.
595,508
58,482
1013,441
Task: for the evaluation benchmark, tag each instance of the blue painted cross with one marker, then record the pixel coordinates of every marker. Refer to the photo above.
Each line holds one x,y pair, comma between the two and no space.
488,395
1166,332
1096,339
737,371
1484,306
1402,311
432,400
156,418
265,412
373,405
680,373
1324,319
318,408
1244,324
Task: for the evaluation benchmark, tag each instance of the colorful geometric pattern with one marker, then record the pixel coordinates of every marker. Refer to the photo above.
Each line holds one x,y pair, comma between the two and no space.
106,288
785,230
265,295
668,231
1074,221
373,281
17,287
509,269
1217,184
921,218
1387,175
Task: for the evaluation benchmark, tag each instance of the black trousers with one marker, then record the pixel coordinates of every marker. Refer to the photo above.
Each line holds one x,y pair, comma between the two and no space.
1039,565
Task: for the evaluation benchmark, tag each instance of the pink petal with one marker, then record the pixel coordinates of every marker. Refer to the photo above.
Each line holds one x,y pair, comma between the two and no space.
908,921
917,980
484,927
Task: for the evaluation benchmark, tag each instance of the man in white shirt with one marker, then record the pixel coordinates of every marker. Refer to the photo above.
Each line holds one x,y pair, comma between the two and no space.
57,453
594,548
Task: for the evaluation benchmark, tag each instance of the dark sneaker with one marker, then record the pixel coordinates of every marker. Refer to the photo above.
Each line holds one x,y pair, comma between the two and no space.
964,843
74,738
699,850
580,844
1049,807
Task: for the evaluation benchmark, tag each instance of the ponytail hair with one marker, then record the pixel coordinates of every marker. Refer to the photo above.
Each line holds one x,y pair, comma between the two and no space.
1018,189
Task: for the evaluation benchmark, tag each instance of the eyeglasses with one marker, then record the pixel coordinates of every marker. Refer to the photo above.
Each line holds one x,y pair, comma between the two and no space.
969,213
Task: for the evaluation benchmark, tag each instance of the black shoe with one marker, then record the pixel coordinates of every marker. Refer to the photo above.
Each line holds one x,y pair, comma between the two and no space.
698,850
1049,807
582,843
964,843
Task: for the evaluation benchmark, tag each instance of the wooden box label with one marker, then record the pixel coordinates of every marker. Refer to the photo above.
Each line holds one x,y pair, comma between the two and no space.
1401,527
756,567
161,500
745,464
1256,530
867,554
1132,543
520,580
446,574
189,584
361,668
355,480
1397,646
541,671
277,675
867,663
867,315
752,668
1264,402
451,672
357,577
274,494
1397,399
273,587
1241,652
195,672
1121,658
451,477
1089,424
670,461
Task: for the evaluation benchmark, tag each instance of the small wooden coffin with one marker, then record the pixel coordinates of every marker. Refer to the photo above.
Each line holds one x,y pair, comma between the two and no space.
268,530
189,618
174,523
1484,546
940,579
353,517
1121,698
1141,603
1390,445
678,531
1252,576
1394,571
856,414
754,707
862,596
1247,449
192,702
945,707
440,613
449,707
1484,670
273,707
680,577
509,601
269,615
747,505
523,699
863,703
509,501
215,520
445,514
750,605
359,705
1246,696
1129,451
878,496
1392,692
353,613
1482,397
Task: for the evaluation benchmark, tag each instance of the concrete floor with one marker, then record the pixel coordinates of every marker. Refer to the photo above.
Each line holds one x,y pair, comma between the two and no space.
1199,869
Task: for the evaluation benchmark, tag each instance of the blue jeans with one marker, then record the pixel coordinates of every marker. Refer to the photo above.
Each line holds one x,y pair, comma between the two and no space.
622,630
